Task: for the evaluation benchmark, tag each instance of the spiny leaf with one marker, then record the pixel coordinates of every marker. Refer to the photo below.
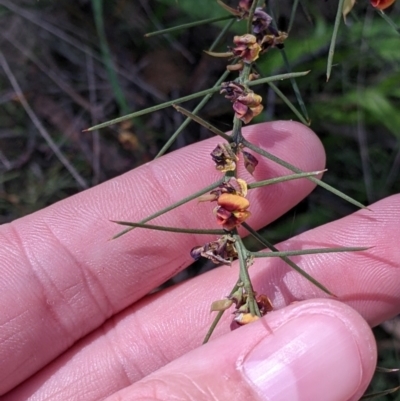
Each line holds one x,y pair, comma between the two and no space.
293,265
380,369
283,178
202,122
169,229
373,396
333,40
190,97
188,25
173,206
308,252
297,170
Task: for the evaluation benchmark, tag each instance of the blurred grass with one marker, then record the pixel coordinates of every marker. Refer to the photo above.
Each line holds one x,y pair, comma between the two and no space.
79,65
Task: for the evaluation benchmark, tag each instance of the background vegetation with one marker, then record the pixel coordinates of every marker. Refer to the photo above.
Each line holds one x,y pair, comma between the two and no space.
65,66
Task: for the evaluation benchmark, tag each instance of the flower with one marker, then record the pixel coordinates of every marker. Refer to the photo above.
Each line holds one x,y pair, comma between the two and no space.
275,39
246,103
232,90
245,318
231,210
224,158
232,204
246,48
264,304
382,4
220,251
233,186
261,21
242,312
248,106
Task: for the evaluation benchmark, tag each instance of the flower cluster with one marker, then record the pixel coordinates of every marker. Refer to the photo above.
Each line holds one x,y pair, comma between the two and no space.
264,35
232,206
267,36
247,49
246,103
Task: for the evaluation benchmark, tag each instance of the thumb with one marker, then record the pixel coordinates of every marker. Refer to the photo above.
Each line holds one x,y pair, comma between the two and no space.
313,350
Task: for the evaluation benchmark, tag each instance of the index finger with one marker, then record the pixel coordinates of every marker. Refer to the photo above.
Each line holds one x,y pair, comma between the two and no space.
62,277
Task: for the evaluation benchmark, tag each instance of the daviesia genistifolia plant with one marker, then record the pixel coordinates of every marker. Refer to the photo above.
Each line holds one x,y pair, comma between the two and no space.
228,196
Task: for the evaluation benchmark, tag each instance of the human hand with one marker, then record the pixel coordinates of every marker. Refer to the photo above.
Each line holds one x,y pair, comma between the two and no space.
76,323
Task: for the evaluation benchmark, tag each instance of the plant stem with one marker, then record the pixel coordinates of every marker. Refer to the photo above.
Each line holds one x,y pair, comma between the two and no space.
333,40
244,275
188,25
293,265
219,316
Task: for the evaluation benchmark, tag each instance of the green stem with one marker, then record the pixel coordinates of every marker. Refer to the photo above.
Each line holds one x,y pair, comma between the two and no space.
276,78
284,178
293,82
388,20
306,252
106,53
293,265
202,122
251,15
289,103
293,14
322,184
188,25
219,316
244,275
333,40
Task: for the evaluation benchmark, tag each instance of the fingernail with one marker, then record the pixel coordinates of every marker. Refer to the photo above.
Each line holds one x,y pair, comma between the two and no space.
308,358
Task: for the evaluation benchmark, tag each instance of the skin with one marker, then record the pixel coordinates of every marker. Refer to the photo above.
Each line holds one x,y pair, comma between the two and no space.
76,322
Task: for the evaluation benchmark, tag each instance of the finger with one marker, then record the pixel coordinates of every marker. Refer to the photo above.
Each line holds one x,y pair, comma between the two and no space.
69,278
368,281
168,324
314,350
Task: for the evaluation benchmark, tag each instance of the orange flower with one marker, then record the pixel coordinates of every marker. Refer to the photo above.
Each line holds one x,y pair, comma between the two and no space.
231,210
382,4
